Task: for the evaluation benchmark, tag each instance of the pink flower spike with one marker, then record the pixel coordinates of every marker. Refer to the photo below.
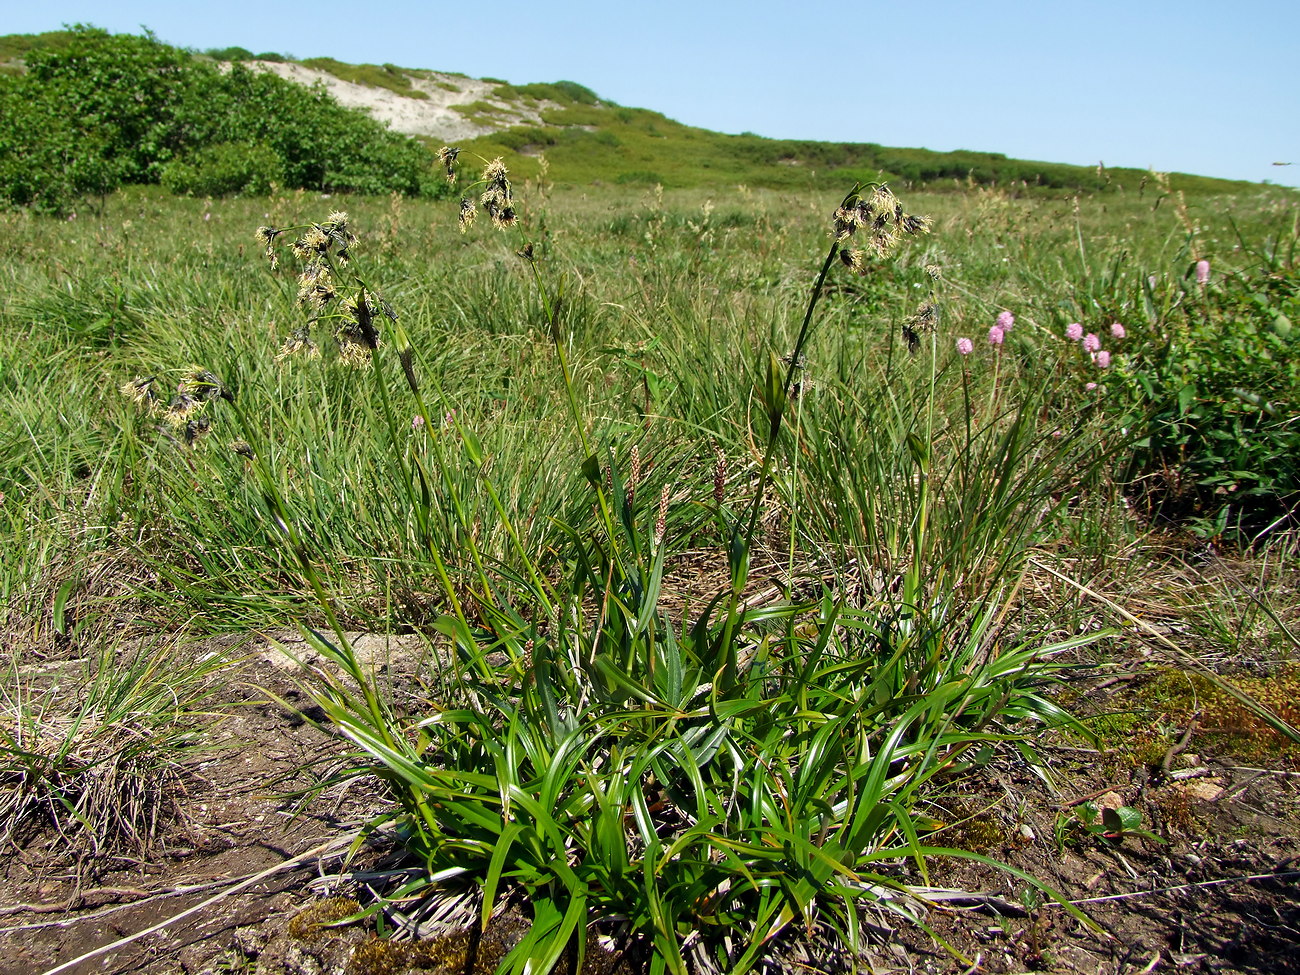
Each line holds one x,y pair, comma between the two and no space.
995,336
965,346
1074,331
1090,386
1202,271
1117,330
1102,359
1091,343
1006,320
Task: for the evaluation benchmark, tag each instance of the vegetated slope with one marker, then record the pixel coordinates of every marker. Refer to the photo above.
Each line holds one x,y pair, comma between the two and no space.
586,139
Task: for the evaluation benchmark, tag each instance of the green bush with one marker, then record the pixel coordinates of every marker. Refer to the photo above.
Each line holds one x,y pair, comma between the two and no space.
225,169
1219,389
229,53
106,110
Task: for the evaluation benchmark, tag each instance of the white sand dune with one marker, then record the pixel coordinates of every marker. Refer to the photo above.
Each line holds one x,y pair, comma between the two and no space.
434,116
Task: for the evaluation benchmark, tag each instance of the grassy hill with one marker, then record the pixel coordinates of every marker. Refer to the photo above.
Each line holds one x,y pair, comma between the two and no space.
587,140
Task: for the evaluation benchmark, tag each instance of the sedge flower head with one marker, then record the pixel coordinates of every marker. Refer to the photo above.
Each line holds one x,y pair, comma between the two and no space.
1074,331
1006,320
1091,343
996,336
1202,271
1117,330
965,346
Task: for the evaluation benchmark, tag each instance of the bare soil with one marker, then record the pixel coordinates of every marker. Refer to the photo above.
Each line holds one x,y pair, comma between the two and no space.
1217,892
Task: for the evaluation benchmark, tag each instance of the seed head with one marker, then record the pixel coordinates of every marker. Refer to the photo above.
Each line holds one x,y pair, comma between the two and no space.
204,386
316,286
495,174
242,448
661,523
196,429
312,244
926,317
634,477
913,225
467,214
181,408
143,392
719,475
362,314
447,156
299,342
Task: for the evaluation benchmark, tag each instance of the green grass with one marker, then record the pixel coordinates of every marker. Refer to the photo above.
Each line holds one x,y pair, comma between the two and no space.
724,636
387,76
590,141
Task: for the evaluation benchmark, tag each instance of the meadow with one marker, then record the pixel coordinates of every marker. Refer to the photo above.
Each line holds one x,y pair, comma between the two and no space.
741,530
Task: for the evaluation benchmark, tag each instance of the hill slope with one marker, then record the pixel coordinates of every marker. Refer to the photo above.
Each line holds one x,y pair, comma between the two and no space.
585,139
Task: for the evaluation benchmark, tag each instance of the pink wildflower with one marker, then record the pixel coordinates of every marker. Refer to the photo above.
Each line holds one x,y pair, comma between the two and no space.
1006,320
1102,358
995,336
417,422
1117,330
1091,343
965,346
1090,386
1074,331
1202,271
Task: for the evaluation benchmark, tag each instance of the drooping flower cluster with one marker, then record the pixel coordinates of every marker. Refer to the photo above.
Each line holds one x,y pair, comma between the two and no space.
447,156
185,409
882,221
496,199
324,251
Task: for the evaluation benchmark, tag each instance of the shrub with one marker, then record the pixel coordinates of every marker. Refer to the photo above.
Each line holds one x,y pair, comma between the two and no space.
224,170
1218,391
104,110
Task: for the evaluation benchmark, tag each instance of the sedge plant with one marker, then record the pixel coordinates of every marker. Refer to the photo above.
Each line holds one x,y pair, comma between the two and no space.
696,785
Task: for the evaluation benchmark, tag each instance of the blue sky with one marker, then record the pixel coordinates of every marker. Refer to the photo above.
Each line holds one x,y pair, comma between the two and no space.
1185,86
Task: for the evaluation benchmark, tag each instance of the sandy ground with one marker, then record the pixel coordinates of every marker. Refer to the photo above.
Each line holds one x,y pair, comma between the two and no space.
433,116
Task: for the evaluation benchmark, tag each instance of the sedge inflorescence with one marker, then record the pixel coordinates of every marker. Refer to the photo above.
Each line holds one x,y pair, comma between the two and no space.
334,300
879,222
186,410
496,198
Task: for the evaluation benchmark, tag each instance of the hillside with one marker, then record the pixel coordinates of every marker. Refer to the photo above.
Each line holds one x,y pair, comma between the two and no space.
586,139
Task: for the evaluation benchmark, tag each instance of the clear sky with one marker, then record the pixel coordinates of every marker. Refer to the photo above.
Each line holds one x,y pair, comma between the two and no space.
1189,86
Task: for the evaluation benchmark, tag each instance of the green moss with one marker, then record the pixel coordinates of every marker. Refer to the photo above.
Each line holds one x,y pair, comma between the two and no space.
1223,723
306,925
